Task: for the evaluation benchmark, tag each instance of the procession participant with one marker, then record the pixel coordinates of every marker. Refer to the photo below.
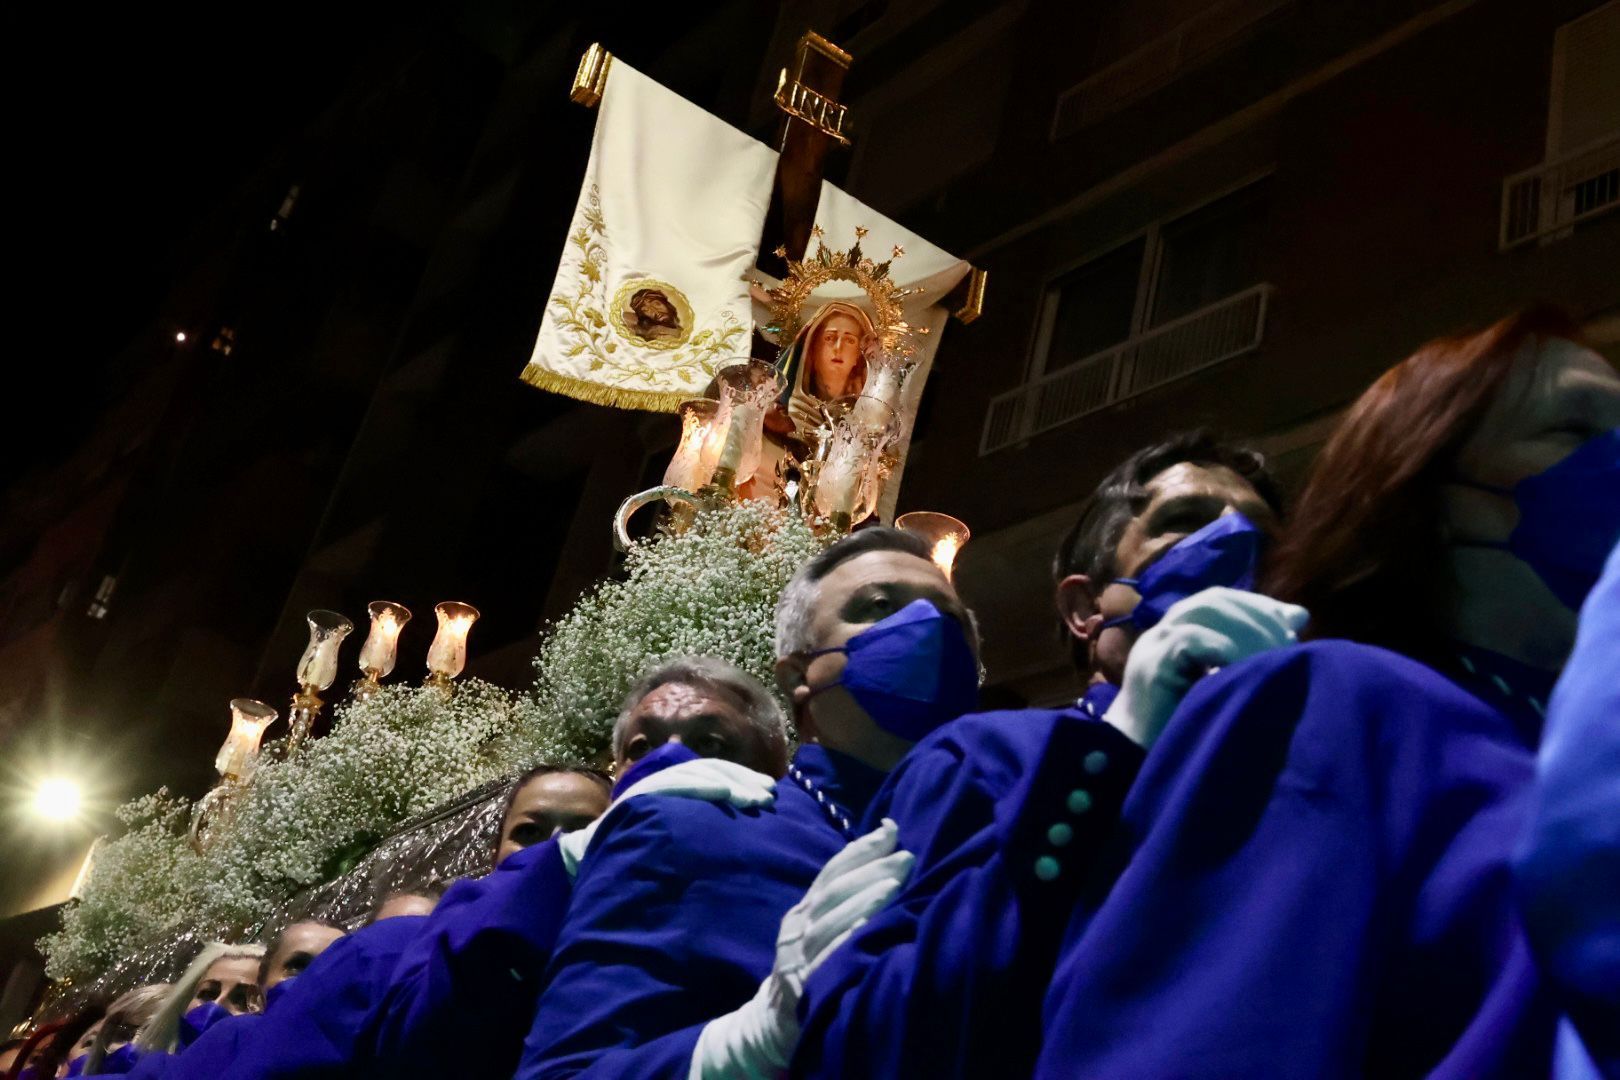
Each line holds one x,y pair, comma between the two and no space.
221,982
319,1026
966,947
47,1051
1349,806
420,901
1568,862
110,1050
1181,515
454,992
463,996
289,953
694,925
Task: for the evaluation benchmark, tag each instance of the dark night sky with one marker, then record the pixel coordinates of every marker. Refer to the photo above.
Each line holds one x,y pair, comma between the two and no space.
140,118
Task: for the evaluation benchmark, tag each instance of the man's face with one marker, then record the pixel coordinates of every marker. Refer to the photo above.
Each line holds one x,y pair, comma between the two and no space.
230,982
1180,500
654,309
855,595
706,722
301,943
546,805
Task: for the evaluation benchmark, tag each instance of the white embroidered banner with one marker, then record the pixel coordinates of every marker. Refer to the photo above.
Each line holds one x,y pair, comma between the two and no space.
651,295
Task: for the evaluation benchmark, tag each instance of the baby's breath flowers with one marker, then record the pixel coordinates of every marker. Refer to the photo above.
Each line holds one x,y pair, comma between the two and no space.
405,750
710,591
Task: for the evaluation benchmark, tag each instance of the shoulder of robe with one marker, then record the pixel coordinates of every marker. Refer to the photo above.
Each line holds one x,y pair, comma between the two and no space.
991,749
649,831
1371,678
1337,708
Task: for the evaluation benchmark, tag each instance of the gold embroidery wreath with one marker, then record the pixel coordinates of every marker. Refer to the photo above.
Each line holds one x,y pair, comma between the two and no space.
788,299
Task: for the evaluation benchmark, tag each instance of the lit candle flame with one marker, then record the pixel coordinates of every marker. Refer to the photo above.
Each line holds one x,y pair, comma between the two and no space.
944,553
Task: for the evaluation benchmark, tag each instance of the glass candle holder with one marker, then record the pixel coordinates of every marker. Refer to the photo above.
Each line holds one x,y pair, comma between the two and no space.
886,374
318,667
447,656
697,453
381,650
944,535
747,389
845,487
240,753
317,670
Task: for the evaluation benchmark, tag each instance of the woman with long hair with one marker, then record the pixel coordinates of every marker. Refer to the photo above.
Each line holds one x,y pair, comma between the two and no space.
110,1050
1317,875
222,981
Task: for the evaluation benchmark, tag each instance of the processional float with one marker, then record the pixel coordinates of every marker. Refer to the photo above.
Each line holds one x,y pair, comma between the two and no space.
793,387
796,374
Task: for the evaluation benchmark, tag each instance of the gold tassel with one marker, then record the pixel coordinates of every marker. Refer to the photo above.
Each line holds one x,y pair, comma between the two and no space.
614,397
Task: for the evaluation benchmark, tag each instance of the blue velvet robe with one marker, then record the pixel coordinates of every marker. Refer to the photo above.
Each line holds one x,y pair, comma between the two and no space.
320,1025
194,1026
212,1053
947,980
118,1062
464,993
1568,863
1318,885
674,921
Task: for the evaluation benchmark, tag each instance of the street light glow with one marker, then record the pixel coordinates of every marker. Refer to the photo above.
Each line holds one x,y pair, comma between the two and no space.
58,799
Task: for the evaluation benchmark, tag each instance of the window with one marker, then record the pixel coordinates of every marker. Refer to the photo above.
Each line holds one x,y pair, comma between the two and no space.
1094,305
1209,254
1186,293
1580,178
1584,105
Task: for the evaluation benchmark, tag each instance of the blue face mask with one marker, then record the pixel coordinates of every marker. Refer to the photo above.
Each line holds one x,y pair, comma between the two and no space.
199,1019
911,672
1569,518
1224,552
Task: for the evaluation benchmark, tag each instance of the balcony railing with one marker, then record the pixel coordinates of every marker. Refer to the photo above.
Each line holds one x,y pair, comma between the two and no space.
1555,196
1224,329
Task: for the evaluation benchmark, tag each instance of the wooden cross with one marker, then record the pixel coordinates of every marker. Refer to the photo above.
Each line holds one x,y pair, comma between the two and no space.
812,121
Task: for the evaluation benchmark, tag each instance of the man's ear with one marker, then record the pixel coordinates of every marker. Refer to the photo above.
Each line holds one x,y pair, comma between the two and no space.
790,679
1077,607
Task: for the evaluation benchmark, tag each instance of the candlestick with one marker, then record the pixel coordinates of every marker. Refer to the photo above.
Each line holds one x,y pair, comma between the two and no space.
447,656
381,649
240,753
698,452
317,669
747,389
944,534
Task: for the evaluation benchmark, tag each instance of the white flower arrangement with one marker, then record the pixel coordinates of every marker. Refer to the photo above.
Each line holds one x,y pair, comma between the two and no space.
711,590
141,887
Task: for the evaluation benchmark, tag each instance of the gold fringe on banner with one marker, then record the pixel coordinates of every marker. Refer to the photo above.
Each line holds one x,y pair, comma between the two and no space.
597,394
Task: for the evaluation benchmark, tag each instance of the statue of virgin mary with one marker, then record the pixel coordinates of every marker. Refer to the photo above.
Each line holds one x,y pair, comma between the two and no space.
827,360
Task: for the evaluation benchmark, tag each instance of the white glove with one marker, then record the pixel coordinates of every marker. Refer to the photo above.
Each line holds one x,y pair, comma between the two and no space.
1198,635
709,779
756,1041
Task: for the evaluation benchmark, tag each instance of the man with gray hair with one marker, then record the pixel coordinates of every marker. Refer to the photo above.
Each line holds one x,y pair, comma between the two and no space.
694,924
710,707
